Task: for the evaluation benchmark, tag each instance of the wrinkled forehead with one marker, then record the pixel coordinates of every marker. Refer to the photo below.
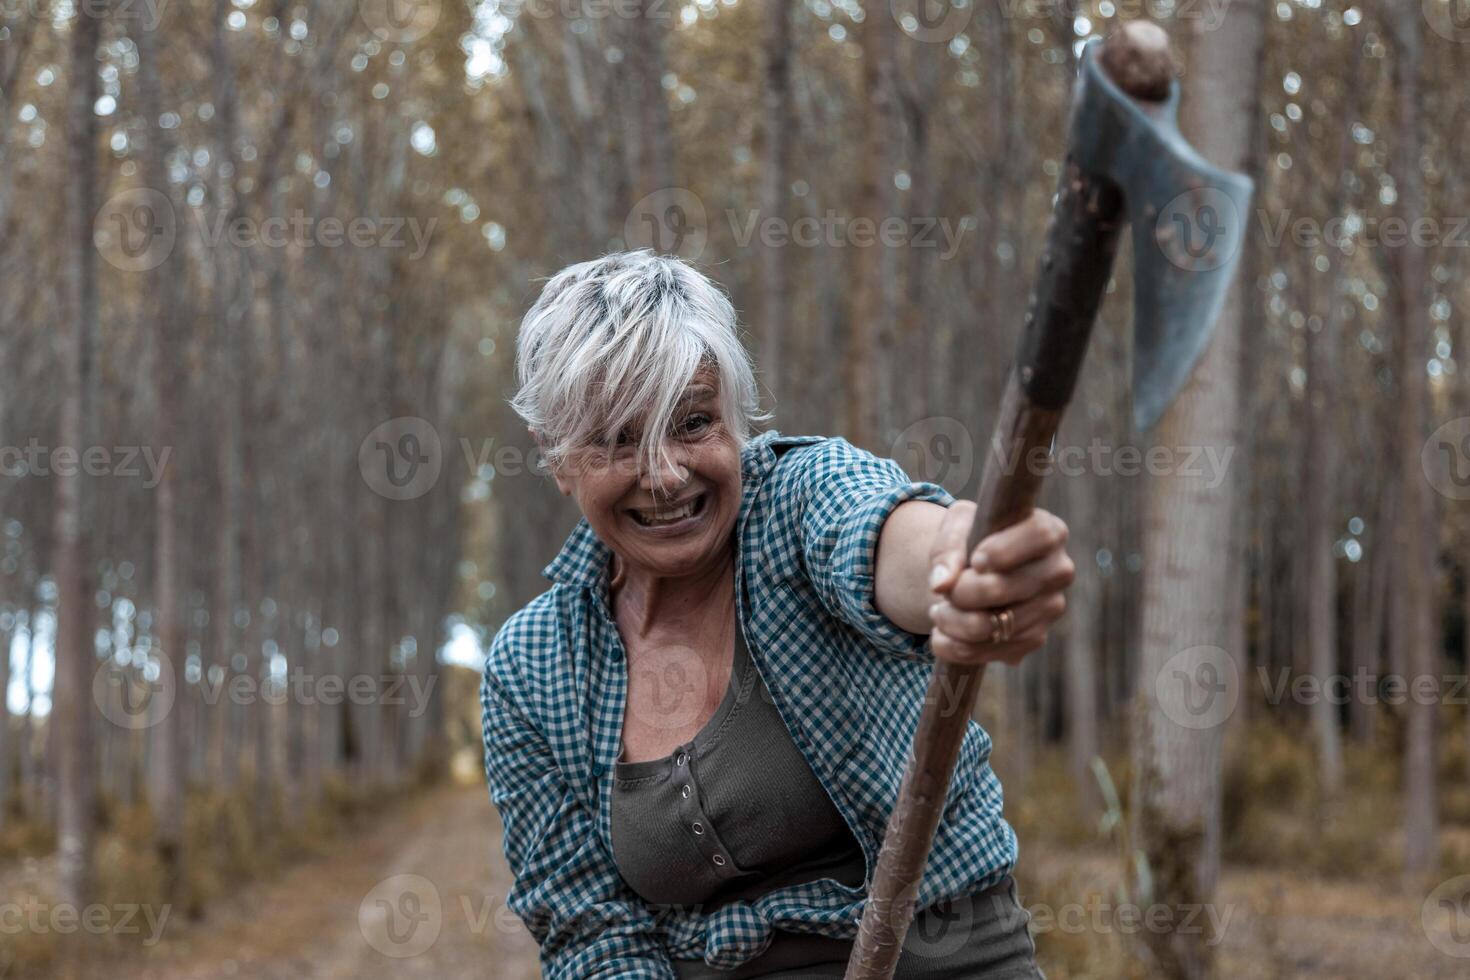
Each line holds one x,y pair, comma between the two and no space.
704,386
702,390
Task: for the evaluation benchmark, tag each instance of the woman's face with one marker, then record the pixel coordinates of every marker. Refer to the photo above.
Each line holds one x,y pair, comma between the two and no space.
680,525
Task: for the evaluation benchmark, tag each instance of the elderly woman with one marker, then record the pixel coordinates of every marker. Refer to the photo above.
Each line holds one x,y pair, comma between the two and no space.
695,736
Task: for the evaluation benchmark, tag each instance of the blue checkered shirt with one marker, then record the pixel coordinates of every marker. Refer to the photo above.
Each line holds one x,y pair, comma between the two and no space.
846,680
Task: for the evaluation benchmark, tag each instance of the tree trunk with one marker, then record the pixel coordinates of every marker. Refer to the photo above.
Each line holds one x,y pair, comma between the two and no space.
76,335
6,742
1081,643
1321,477
1364,651
1319,480
918,396
871,315
1414,581
649,145
166,764
774,181
231,351
29,770
1190,555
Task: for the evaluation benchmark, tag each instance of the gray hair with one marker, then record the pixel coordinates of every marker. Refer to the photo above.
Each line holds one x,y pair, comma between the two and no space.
617,337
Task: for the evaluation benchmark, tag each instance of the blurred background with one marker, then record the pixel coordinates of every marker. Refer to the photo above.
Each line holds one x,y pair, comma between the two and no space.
262,501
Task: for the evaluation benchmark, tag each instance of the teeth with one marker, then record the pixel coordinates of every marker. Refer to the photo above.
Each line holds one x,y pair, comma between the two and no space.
666,516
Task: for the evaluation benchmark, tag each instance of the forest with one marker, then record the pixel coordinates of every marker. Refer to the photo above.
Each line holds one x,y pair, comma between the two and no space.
263,502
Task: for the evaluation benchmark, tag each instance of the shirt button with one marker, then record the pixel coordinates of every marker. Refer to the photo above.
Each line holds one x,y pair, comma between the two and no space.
685,791
719,860
698,829
680,759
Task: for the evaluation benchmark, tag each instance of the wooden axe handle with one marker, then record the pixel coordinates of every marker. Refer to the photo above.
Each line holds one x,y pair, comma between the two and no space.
1081,243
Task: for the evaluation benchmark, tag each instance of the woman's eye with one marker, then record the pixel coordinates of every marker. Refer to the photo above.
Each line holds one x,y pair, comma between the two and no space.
622,441
695,424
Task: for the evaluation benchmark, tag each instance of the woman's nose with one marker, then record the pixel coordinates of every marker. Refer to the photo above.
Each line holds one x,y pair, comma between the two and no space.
670,470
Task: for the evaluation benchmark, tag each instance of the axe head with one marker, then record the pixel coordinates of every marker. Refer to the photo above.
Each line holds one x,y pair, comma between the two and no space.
1189,221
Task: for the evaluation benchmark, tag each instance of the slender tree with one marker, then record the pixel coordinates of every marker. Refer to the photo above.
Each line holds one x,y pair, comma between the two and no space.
1416,545
1188,552
775,179
166,763
72,714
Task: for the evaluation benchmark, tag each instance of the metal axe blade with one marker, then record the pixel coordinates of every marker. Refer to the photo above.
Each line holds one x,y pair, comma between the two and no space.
1189,221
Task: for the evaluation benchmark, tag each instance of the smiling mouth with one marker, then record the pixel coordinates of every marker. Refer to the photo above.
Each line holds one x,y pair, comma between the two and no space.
664,516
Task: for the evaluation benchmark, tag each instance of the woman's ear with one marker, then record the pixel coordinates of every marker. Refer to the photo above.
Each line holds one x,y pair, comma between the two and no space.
562,483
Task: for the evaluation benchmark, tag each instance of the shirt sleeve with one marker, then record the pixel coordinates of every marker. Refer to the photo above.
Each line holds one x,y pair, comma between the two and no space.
846,494
588,922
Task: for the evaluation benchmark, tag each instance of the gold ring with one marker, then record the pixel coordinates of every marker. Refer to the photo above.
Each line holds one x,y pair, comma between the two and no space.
995,628
1007,623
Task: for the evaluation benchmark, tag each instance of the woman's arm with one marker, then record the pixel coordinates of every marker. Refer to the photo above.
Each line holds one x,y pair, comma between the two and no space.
924,583
900,584
873,542
841,498
567,890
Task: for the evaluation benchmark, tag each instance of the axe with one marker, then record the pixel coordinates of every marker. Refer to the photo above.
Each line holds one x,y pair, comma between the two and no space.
1126,163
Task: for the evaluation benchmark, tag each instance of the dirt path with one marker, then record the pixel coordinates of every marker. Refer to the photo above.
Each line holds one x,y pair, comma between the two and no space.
1276,926
422,894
